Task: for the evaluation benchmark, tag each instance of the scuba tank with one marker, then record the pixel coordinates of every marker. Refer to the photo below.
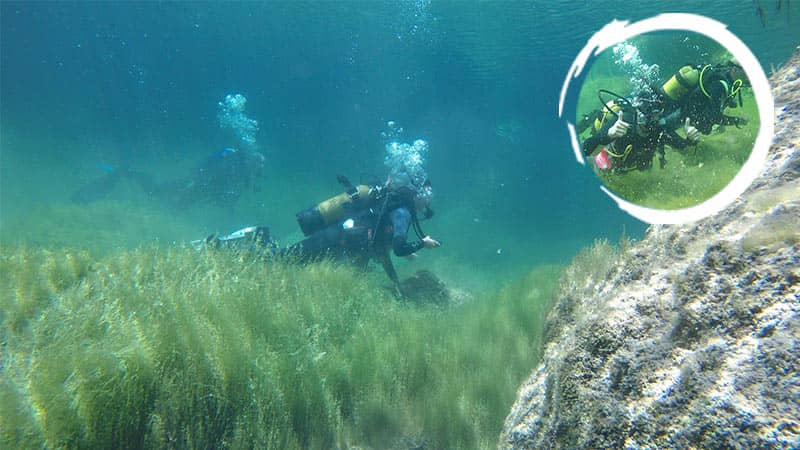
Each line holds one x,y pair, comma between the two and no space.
336,208
681,83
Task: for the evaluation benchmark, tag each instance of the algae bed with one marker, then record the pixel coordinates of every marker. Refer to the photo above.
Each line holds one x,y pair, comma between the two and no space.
166,347
114,334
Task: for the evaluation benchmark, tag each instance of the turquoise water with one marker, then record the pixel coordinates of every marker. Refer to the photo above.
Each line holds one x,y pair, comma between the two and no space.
137,85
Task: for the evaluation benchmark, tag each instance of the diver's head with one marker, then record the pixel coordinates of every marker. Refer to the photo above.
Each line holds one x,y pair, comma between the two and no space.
720,89
585,121
719,92
644,126
256,162
417,194
647,118
423,198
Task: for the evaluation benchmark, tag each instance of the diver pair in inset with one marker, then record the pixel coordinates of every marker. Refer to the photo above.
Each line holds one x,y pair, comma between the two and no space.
627,133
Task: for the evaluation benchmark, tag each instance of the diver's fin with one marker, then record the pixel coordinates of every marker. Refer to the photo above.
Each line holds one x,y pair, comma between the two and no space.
99,188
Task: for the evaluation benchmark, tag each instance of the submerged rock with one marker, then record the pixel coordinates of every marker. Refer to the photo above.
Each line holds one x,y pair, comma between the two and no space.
693,337
425,287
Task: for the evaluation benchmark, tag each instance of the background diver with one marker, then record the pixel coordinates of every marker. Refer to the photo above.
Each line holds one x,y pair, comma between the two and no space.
219,180
367,222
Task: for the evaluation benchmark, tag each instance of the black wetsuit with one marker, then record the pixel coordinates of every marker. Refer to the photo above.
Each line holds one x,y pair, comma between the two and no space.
702,111
706,112
633,151
363,236
219,180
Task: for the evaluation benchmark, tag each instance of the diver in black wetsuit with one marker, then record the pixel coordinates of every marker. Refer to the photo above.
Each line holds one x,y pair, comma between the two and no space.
700,94
374,230
694,98
632,140
219,180
716,90
366,223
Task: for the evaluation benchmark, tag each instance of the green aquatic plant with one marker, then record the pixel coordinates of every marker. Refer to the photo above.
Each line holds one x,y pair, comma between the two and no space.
169,347
591,266
29,278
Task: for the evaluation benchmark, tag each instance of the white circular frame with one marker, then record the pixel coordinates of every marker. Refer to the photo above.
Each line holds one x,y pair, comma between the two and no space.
618,31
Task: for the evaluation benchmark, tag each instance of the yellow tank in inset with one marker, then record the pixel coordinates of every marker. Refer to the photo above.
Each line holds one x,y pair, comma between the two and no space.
681,83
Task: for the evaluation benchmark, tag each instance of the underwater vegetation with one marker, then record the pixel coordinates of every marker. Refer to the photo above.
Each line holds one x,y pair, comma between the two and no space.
168,347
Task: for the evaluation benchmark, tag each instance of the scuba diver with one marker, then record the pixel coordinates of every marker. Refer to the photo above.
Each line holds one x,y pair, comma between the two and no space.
716,90
219,180
366,222
694,98
701,93
631,141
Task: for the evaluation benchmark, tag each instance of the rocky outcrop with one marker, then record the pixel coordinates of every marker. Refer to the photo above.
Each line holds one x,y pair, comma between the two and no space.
691,337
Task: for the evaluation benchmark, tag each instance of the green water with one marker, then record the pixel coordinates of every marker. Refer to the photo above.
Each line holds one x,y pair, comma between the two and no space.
114,334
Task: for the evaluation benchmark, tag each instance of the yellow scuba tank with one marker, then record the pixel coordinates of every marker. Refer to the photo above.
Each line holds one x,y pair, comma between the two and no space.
335,208
681,83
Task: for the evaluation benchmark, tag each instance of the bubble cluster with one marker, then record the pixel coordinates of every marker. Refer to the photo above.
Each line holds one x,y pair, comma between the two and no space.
413,19
405,161
642,76
392,132
231,115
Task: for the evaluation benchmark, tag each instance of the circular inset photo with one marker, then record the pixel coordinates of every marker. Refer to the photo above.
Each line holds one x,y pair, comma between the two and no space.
666,119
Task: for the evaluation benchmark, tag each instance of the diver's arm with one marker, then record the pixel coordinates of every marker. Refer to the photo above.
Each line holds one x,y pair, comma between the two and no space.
401,220
388,267
601,137
674,119
731,120
675,140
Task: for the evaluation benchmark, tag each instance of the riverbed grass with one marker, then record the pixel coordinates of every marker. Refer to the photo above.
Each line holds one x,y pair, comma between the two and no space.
169,347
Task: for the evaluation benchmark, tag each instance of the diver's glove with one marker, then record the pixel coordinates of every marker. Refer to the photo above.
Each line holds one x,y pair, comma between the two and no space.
430,242
738,121
619,129
692,133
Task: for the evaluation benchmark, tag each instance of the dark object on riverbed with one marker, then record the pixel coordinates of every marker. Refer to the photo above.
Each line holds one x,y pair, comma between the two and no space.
425,287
